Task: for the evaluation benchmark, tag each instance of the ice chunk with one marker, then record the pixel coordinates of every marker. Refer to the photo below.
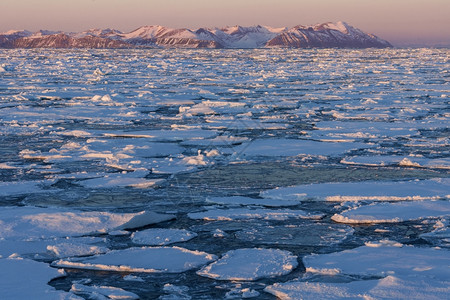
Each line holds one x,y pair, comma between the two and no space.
394,212
161,236
383,260
246,213
250,264
108,291
74,249
34,223
17,273
390,287
441,233
371,190
175,292
23,187
145,259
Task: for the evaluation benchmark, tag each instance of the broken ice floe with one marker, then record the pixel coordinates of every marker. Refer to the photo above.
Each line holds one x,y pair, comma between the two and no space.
407,273
250,264
239,200
108,292
410,161
161,236
390,287
145,259
311,234
246,213
394,212
372,190
17,272
75,249
440,235
34,223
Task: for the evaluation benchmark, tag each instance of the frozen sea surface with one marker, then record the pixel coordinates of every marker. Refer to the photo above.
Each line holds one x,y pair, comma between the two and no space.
209,174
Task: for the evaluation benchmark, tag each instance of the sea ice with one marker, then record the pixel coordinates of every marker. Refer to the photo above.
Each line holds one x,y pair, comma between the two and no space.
294,147
145,259
74,249
34,223
27,279
383,259
239,200
250,264
366,190
108,291
394,212
310,234
440,234
390,287
246,213
161,236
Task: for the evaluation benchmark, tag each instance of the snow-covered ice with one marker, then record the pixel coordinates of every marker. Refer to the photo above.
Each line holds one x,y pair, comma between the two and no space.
250,264
108,292
394,212
246,213
27,279
145,259
432,189
161,236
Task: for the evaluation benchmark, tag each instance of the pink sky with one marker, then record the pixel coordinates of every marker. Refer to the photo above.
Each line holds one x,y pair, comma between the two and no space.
402,22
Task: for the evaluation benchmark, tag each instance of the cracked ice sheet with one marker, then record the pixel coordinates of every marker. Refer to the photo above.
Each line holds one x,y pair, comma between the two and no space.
440,235
408,273
368,190
250,264
25,187
394,212
17,273
239,200
108,291
390,287
404,161
145,260
34,223
294,147
246,213
161,236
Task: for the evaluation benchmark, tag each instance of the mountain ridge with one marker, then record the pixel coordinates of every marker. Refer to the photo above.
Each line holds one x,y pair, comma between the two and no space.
323,35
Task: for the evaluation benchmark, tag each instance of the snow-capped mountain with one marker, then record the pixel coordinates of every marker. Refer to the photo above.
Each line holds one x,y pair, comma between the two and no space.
325,35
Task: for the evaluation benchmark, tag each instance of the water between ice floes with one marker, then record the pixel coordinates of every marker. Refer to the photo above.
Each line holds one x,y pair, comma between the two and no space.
252,161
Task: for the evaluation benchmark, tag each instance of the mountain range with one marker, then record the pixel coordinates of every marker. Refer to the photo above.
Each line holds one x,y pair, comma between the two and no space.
325,35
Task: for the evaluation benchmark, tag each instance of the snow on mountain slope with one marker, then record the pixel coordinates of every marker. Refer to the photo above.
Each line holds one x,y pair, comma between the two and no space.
325,35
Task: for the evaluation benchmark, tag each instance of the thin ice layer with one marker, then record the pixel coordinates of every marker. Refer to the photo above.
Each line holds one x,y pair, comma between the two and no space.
371,190
394,212
250,264
108,291
145,259
246,213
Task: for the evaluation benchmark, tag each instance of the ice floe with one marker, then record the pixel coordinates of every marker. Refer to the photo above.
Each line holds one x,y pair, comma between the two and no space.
372,190
145,260
440,234
161,236
394,212
246,213
108,292
34,223
380,161
390,287
250,264
75,249
27,279
240,200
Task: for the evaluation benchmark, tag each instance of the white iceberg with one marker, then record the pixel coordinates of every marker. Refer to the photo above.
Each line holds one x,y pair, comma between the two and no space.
250,264
145,260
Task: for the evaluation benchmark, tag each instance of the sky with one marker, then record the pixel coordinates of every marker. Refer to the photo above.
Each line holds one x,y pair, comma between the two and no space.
402,22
